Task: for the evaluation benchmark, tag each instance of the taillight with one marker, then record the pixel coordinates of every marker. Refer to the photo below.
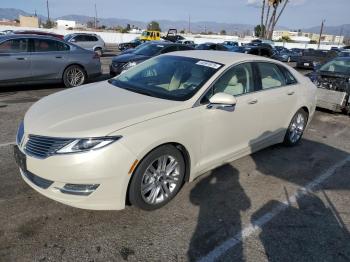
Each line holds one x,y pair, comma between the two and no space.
96,56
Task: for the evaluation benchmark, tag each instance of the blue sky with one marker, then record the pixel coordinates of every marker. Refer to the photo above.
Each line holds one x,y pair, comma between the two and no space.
300,13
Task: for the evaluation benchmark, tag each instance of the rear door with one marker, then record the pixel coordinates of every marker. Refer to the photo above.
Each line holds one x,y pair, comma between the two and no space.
14,60
49,58
278,99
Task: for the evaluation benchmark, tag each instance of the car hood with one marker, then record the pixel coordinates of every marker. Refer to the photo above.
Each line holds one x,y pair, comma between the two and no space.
124,58
94,110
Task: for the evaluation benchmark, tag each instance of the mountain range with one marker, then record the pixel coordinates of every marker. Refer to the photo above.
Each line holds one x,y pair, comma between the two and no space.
202,26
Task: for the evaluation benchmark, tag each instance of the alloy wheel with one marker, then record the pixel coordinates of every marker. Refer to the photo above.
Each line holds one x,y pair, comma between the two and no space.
160,180
297,127
75,76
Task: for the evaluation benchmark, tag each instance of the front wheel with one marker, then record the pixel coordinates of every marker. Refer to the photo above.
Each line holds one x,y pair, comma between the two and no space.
296,128
73,76
158,178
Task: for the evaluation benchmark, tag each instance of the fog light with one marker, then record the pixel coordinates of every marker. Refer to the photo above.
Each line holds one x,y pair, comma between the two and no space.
79,189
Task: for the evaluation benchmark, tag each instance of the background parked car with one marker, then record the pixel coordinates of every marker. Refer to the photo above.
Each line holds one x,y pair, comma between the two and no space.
285,55
132,44
212,46
44,59
313,58
186,42
35,32
333,82
91,42
230,43
125,61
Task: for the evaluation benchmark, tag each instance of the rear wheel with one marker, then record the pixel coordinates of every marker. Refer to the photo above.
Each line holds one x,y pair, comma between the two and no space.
158,178
73,76
296,128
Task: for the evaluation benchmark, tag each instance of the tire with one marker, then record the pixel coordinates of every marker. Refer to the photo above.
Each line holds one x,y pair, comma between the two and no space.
150,177
74,75
296,128
98,51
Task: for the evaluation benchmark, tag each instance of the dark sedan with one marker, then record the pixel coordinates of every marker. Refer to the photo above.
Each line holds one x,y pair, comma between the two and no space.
132,44
313,58
125,61
212,46
44,59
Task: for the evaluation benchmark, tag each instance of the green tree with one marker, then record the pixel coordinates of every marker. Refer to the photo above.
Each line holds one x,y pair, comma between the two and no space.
285,39
258,32
223,32
153,26
128,27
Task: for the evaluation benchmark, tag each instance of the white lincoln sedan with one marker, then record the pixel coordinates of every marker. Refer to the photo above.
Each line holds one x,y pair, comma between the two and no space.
140,136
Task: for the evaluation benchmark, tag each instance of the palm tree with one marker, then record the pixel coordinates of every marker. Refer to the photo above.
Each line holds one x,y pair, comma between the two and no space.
275,17
262,33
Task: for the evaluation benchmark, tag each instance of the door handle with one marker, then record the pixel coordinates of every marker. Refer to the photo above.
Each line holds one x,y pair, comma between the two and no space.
253,101
290,93
58,56
21,58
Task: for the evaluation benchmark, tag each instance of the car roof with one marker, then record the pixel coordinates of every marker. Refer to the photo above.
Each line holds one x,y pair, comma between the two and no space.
222,57
15,36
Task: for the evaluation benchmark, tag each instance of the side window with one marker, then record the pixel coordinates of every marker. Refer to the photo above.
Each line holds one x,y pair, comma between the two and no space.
91,38
14,46
236,81
271,75
80,38
169,49
47,45
290,79
157,34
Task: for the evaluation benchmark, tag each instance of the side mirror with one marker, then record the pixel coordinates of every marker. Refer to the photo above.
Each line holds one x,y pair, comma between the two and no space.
222,101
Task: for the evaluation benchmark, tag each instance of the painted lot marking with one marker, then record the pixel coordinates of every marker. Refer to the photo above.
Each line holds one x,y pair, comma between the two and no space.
8,144
252,228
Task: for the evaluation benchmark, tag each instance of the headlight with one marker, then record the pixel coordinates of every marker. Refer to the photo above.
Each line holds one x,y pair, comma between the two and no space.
87,144
130,65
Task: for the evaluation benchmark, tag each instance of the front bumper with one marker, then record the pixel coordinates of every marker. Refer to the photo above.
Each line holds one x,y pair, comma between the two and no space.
107,168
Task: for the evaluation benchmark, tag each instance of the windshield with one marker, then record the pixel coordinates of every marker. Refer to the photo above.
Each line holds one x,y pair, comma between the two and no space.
146,33
340,66
168,77
149,50
67,37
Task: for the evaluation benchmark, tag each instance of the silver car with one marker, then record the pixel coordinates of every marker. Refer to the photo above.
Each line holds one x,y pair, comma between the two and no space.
43,59
87,41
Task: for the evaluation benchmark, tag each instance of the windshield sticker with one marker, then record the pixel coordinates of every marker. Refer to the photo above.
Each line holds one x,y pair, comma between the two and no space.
208,64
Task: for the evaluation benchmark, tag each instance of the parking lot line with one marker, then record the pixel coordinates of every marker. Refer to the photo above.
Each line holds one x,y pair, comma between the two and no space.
8,144
257,225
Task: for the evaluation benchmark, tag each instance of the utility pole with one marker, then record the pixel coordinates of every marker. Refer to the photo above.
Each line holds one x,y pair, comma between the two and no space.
96,21
321,31
341,33
48,10
189,24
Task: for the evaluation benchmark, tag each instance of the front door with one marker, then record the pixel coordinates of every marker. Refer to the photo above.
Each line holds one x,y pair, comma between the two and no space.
14,60
228,134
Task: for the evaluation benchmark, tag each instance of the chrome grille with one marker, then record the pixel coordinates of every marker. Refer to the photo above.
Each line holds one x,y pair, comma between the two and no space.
43,147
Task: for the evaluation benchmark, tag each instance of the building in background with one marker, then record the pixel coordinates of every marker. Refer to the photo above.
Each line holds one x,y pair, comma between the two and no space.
304,37
28,21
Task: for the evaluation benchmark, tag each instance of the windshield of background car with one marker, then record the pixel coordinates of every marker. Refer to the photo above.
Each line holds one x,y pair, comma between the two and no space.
340,66
149,50
168,77
68,37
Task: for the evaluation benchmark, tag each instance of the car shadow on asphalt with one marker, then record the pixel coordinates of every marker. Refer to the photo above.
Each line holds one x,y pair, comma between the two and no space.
221,198
296,234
